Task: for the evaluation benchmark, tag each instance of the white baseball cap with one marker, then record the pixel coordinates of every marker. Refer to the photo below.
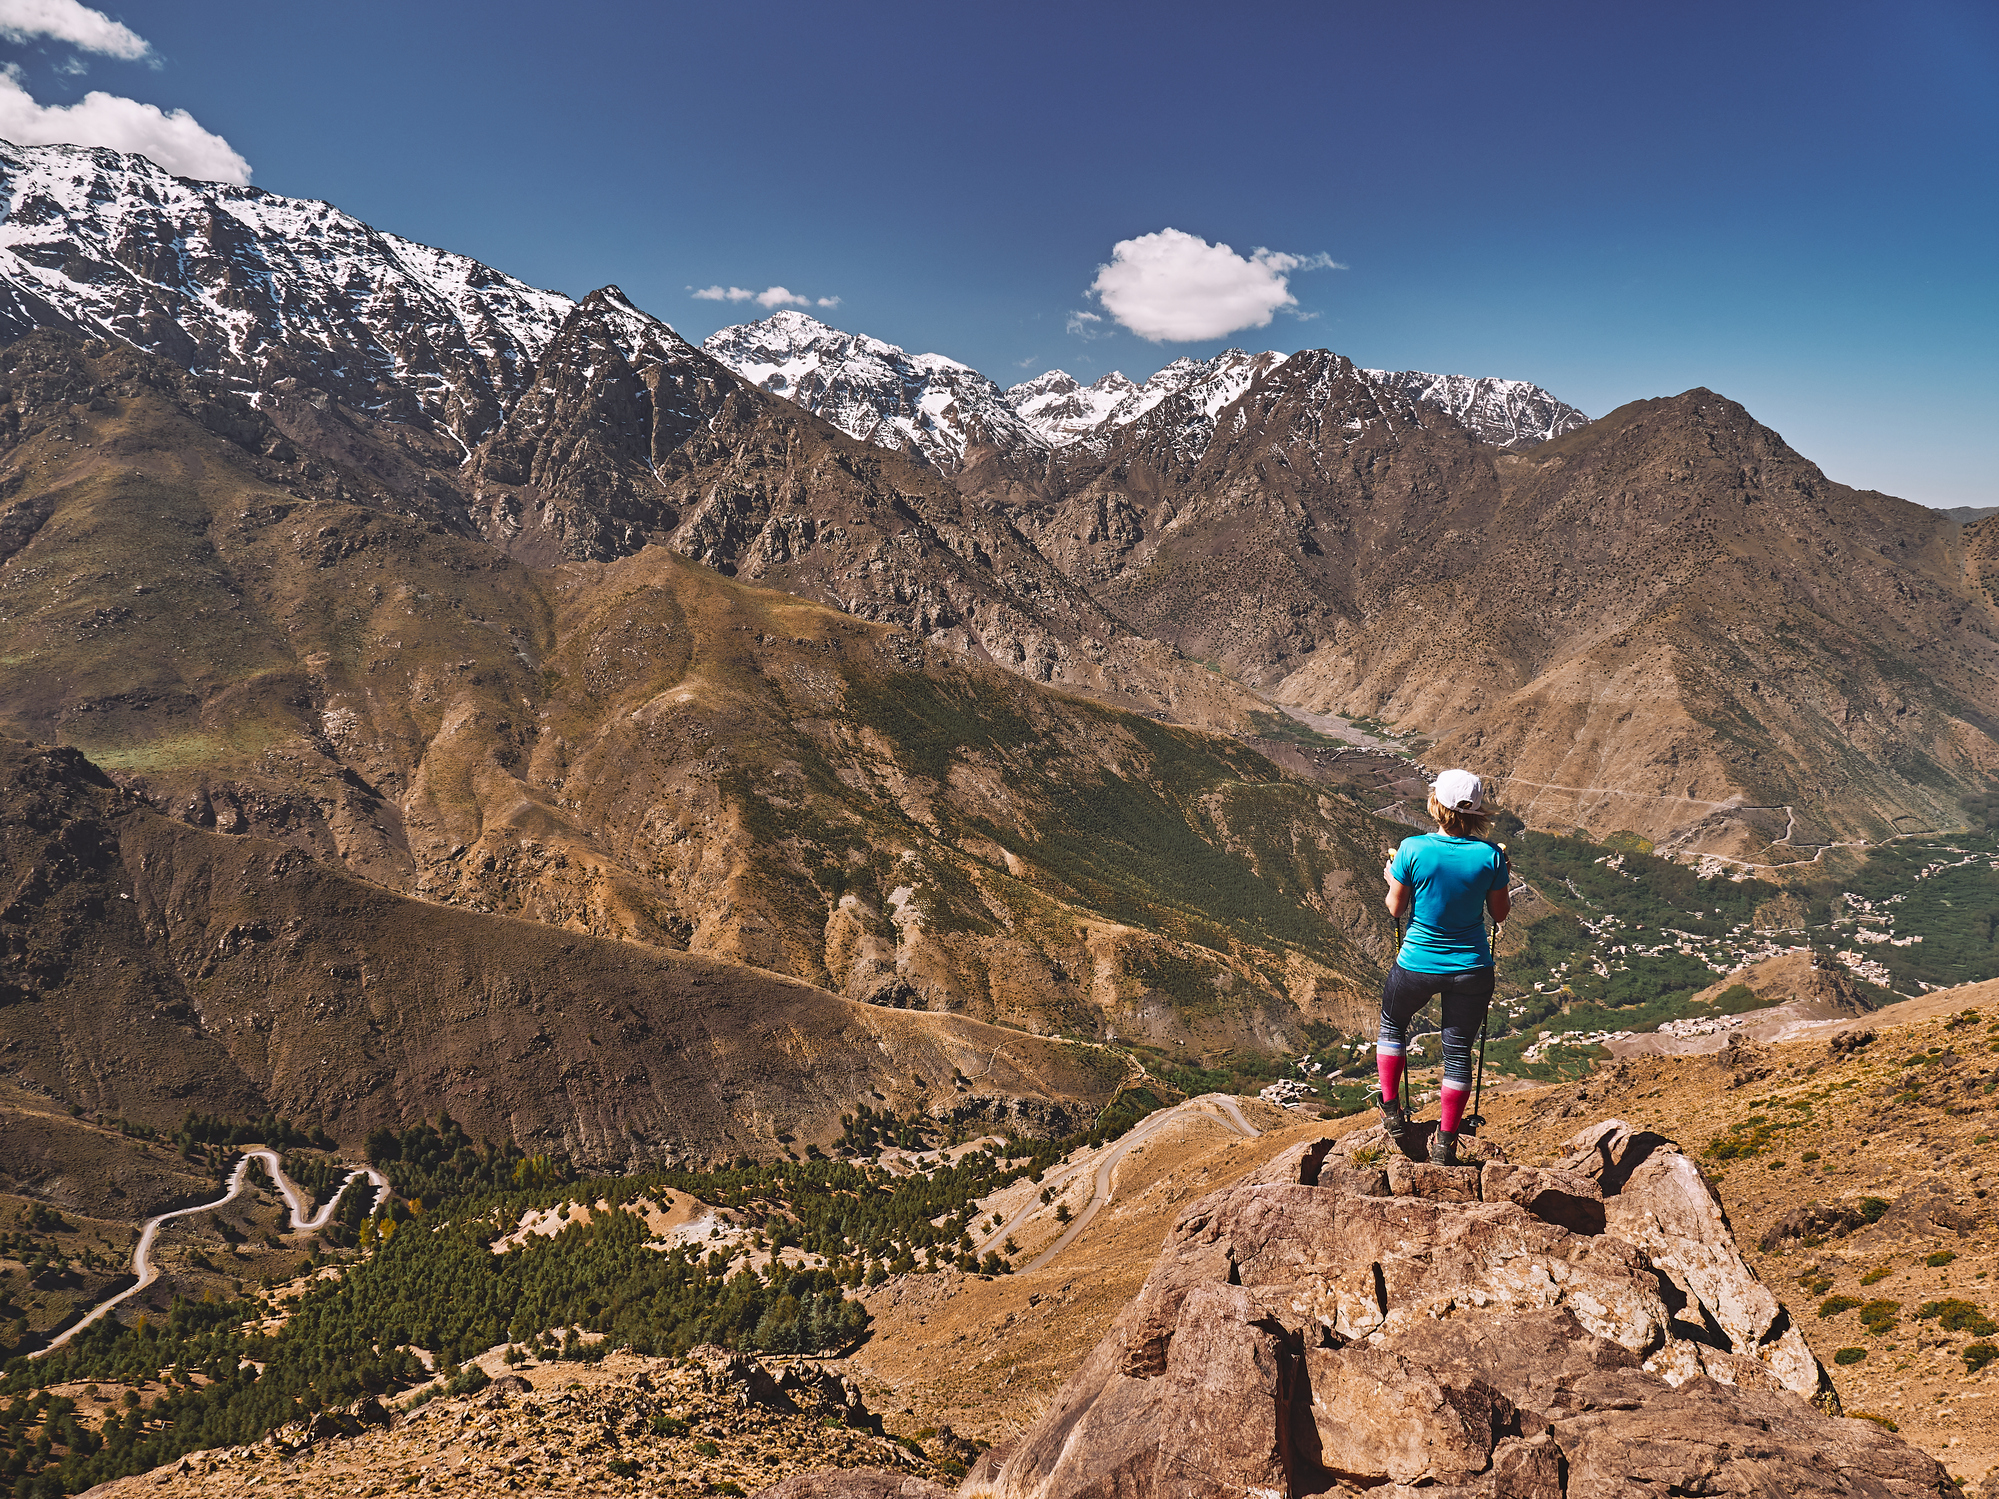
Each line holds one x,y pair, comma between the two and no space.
1459,790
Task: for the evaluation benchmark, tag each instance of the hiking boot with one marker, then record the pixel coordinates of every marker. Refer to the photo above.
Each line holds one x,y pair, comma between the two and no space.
1444,1148
1394,1123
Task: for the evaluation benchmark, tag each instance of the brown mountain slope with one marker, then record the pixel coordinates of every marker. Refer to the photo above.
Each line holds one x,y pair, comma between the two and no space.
1666,621
152,969
1671,605
642,748
1268,540
628,435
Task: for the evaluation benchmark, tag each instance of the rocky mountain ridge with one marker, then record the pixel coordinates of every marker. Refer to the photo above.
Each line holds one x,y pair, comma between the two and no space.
254,288
1505,413
1345,547
1062,409
923,404
148,967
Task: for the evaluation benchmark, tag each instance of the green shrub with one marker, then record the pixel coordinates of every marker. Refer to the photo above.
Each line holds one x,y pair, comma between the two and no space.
1832,1306
1953,1315
1881,1421
1878,1273
1978,1355
1849,1355
706,1448
1871,1208
468,1381
1878,1316
1941,1258
623,1467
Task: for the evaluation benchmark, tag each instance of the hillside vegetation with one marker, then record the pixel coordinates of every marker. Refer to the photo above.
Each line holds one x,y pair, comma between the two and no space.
262,645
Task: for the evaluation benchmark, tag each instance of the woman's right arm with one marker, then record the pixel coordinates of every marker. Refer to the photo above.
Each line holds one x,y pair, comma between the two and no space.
1401,899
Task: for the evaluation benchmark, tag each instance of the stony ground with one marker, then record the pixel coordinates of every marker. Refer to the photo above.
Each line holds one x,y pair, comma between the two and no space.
662,1427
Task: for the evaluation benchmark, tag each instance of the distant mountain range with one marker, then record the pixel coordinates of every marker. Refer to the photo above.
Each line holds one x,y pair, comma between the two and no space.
1506,413
936,408
1663,620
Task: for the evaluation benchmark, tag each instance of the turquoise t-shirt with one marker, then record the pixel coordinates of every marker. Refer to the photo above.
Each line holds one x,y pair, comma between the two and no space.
1450,879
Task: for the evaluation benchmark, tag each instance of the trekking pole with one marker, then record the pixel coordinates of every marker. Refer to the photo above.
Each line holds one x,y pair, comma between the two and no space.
1478,1088
1402,1082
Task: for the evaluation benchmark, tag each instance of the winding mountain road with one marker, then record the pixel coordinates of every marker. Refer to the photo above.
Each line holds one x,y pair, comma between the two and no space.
297,1201
1211,1105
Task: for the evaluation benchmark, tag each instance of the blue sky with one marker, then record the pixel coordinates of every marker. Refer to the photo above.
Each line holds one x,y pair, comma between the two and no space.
1795,205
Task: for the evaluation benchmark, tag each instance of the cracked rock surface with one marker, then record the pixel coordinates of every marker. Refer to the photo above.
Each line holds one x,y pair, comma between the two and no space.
1348,1320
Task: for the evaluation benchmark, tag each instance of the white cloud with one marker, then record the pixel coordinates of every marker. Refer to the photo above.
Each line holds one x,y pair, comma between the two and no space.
1176,287
67,21
770,296
175,140
1084,324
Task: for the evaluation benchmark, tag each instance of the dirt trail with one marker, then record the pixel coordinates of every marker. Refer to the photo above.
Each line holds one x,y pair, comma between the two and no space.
297,1201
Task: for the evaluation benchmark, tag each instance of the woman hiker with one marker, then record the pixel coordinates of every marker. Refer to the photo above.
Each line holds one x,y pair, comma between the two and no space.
1444,883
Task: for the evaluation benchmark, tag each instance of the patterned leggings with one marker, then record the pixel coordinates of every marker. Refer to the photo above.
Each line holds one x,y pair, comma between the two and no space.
1467,996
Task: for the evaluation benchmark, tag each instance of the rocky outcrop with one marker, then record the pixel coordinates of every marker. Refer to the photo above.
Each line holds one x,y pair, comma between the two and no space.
1347,1320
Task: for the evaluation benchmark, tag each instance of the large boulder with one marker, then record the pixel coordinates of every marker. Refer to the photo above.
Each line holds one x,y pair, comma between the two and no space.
1347,1320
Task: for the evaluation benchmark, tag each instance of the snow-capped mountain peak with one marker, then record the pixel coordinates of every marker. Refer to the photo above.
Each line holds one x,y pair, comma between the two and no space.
249,286
1062,409
923,404
1065,412
1209,383
1506,413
